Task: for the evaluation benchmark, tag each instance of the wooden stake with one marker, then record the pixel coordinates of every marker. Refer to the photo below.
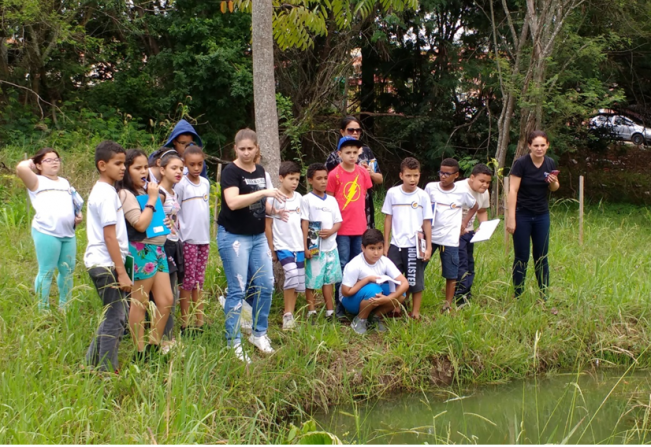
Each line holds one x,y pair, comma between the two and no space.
218,178
581,210
506,215
27,207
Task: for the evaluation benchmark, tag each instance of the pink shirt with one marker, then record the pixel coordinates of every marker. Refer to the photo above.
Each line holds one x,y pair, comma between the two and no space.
349,188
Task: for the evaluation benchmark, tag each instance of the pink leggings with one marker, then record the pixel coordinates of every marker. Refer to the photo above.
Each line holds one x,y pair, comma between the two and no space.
196,259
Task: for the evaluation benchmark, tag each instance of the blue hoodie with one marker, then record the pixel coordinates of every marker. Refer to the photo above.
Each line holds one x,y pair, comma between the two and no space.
184,127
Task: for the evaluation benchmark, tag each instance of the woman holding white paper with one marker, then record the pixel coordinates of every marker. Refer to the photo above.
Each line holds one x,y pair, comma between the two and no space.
532,177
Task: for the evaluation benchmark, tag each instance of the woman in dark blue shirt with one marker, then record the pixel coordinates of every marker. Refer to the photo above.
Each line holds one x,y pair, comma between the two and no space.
532,177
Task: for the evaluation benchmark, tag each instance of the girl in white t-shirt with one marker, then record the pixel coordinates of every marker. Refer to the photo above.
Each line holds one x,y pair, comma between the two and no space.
171,173
53,226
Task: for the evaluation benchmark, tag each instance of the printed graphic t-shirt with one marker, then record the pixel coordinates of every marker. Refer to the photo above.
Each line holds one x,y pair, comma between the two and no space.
448,206
248,220
408,211
349,188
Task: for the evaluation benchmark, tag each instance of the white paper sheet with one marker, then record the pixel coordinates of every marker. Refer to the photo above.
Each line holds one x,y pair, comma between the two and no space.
485,231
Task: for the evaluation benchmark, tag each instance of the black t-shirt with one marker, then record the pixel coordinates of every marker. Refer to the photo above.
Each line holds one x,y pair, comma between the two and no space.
533,195
248,220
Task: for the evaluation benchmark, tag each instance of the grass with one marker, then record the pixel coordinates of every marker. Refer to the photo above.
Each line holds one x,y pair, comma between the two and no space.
202,394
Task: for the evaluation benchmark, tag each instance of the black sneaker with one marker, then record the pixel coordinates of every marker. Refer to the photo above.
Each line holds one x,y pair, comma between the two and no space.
340,313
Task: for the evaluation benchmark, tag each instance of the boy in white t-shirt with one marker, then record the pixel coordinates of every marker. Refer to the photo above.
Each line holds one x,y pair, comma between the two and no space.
477,185
322,270
448,201
372,285
408,211
285,237
106,252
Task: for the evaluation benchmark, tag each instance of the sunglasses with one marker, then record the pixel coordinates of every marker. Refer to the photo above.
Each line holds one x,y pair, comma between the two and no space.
446,174
354,130
51,160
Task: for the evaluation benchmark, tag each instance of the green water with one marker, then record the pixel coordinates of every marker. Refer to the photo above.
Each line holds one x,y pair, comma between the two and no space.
588,409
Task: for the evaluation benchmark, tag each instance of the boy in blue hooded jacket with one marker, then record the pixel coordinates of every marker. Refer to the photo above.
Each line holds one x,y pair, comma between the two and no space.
182,136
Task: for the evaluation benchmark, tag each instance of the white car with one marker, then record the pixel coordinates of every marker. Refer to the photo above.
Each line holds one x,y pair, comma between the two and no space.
621,128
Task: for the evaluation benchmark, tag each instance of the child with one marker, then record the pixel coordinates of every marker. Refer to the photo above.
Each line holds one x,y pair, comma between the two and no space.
151,271
367,287
477,185
194,227
285,239
448,201
408,211
182,137
171,173
53,226
348,183
106,251
323,270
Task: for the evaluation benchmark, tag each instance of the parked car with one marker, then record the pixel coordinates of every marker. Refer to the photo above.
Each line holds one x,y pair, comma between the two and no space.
619,127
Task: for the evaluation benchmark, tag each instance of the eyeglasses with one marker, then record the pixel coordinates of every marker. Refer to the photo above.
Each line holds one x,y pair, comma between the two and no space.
51,160
446,174
354,130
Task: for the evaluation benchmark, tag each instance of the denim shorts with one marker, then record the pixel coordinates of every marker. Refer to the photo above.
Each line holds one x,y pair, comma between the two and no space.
449,260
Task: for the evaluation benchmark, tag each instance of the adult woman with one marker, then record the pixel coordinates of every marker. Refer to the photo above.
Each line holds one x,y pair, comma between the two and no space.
242,243
532,177
351,127
53,226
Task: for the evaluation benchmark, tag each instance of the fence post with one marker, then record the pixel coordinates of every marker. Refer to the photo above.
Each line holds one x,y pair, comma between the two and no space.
218,178
581,210
506,215
27,207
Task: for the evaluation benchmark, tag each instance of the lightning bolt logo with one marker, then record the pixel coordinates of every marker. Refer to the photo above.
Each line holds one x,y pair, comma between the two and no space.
351,192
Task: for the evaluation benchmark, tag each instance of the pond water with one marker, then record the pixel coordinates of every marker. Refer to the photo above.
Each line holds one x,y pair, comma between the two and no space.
573,408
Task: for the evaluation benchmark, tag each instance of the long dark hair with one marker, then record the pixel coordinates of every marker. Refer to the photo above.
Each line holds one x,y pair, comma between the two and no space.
40,155
345,121
127,182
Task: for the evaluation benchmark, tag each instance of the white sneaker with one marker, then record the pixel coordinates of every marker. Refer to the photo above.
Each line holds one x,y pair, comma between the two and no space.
246,326
222,301
262,343
240,354
288,322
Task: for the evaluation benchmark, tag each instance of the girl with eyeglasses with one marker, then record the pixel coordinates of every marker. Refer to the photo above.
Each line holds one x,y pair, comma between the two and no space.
53,226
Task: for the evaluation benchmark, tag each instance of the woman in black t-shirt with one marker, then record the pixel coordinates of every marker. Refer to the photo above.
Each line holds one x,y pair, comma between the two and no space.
532,177
242,243
351,127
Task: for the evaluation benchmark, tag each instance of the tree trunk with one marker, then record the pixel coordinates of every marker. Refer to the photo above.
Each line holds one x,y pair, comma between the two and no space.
367,98
264,86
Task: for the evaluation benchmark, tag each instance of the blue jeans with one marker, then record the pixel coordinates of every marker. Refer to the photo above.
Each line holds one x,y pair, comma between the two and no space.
466,274
247,260
348,247
54,253
534,227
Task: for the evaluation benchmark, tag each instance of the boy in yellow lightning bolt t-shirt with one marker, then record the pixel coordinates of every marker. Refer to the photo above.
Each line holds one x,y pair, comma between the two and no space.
348,183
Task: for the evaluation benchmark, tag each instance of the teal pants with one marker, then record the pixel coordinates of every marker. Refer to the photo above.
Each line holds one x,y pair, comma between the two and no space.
54,253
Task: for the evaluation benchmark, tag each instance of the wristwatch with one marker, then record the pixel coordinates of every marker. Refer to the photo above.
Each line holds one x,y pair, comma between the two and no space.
153,209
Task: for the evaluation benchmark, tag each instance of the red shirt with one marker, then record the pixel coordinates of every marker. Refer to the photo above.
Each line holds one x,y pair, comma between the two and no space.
349,188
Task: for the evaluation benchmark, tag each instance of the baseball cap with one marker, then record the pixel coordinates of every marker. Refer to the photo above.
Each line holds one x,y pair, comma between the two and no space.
349,141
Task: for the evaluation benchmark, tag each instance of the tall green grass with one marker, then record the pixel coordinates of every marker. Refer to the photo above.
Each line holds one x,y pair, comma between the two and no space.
599,296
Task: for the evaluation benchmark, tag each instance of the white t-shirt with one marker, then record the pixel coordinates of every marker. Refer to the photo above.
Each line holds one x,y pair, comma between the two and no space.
324,210
267,179
446,227
194,216
289,235
172,208
152,177
483,202
104,209
408,210
358,269
55,213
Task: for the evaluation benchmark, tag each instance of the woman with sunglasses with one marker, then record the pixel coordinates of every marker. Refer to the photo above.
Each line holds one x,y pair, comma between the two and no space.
53,226
351,127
